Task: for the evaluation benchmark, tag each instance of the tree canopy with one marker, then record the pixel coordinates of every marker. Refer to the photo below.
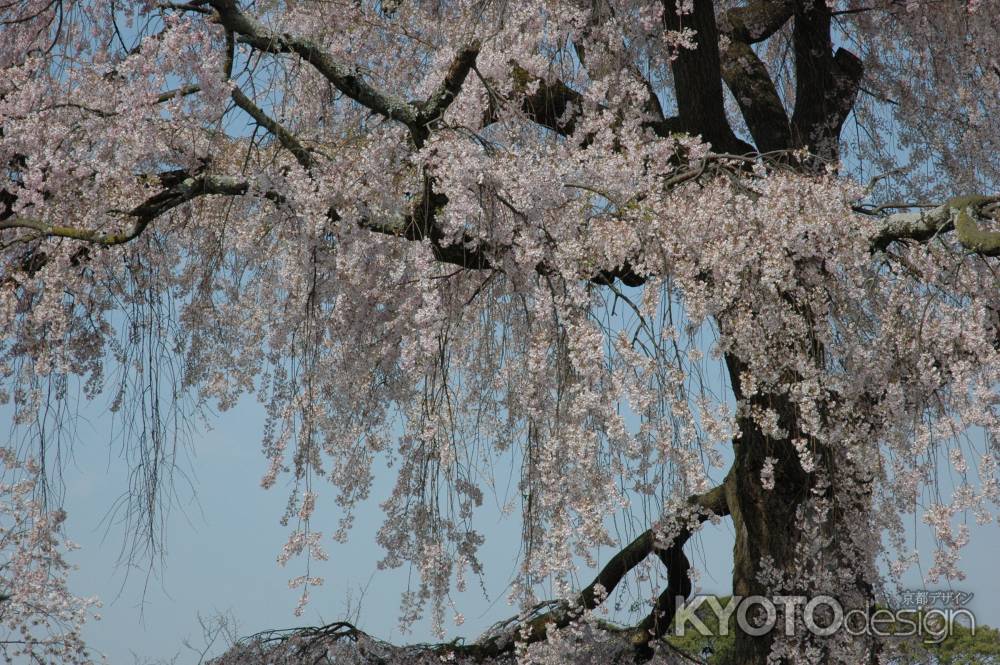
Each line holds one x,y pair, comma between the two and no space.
672,262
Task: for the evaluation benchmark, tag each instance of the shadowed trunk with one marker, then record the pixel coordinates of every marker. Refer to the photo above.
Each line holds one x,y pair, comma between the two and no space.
801,535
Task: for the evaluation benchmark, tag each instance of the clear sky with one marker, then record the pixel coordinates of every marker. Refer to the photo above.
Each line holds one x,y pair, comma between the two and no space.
223,541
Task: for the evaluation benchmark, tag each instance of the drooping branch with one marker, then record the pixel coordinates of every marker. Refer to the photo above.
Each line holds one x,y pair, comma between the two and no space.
180,187
418,221
499,644
184,190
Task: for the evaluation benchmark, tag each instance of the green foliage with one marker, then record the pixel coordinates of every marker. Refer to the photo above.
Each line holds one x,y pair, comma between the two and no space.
963,647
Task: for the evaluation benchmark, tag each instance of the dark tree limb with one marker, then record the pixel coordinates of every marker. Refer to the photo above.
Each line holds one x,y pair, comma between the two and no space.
184,190
751,85
420,223
713,502
7,201
826,84
417,116
748,78
343,77
553,104
181,187
757,21
658,621
434,107
698,79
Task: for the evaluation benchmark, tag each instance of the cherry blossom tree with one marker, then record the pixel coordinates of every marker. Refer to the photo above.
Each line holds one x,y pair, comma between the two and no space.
467,237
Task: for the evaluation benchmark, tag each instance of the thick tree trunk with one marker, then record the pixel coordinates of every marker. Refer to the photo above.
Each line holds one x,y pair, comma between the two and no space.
806,536
765,524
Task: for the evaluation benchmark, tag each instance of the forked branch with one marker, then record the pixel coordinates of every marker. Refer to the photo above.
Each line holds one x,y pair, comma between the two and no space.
653,626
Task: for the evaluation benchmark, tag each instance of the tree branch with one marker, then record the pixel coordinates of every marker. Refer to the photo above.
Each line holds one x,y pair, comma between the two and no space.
748,78
713,502
416,116
288,140
698,79
187,189
344,78
957,214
